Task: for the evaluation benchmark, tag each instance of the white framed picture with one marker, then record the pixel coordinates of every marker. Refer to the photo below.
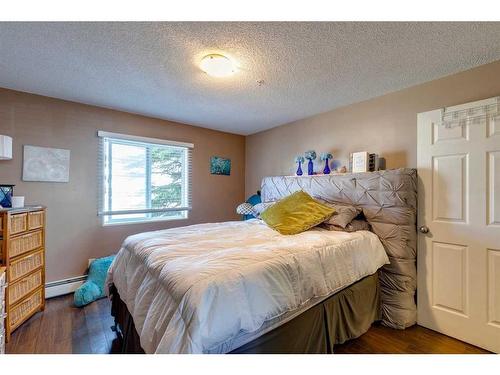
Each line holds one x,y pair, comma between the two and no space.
45,164
360,162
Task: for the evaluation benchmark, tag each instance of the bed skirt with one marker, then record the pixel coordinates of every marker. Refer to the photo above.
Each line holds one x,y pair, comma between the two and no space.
343,316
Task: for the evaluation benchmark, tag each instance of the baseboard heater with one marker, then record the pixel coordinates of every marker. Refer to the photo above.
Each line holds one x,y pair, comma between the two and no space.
62,287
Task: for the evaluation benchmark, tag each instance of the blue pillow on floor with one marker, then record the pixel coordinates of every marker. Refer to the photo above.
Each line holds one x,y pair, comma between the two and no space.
93,288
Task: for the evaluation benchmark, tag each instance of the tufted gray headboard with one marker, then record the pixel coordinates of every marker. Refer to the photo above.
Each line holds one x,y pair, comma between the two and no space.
389,203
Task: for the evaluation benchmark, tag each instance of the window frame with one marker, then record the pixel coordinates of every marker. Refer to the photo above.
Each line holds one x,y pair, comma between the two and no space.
108,139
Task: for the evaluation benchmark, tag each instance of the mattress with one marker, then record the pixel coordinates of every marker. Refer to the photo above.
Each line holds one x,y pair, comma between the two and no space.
210,288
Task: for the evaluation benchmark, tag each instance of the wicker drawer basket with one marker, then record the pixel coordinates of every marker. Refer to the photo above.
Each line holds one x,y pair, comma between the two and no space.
35,220
23,266
18,223
25,309
25,243
25,286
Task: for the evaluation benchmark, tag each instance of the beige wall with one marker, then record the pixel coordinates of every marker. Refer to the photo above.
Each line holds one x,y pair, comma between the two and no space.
74,232
386,125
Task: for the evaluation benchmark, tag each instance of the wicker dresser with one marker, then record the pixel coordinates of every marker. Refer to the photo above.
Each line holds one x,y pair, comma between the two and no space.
2,310
22,252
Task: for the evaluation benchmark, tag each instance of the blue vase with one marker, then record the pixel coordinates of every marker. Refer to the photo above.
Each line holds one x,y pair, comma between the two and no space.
299,170
327,167
310,168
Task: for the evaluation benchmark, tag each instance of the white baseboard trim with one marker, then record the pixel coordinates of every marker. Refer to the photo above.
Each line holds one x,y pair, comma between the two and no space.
62,287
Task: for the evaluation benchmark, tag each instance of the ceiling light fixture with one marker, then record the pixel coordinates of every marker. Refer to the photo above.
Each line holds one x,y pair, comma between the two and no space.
217,65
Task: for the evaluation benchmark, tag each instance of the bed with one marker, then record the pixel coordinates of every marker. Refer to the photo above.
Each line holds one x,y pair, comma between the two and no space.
240,287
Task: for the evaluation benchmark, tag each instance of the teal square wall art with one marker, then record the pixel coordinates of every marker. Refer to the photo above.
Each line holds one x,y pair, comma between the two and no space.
220,166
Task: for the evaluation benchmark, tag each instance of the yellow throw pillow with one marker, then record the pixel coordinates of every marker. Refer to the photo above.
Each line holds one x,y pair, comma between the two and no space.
296,213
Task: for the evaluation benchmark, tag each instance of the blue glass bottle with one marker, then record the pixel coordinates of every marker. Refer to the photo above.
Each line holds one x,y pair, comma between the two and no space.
326,170
299,170
310,168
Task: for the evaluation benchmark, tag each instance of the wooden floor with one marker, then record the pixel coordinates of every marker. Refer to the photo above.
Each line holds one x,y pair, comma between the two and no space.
413,340
62,328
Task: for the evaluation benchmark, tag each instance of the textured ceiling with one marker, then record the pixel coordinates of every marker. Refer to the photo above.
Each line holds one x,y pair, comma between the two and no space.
307,68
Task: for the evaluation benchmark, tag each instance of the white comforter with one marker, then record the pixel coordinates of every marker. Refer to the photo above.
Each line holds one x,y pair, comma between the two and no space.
211,288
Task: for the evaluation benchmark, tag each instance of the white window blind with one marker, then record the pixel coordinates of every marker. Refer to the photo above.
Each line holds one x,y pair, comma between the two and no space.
143,179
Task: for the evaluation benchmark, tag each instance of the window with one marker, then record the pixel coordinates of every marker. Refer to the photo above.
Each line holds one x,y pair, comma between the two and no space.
143,179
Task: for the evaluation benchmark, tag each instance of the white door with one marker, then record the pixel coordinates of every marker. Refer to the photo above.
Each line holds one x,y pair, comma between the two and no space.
459,205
